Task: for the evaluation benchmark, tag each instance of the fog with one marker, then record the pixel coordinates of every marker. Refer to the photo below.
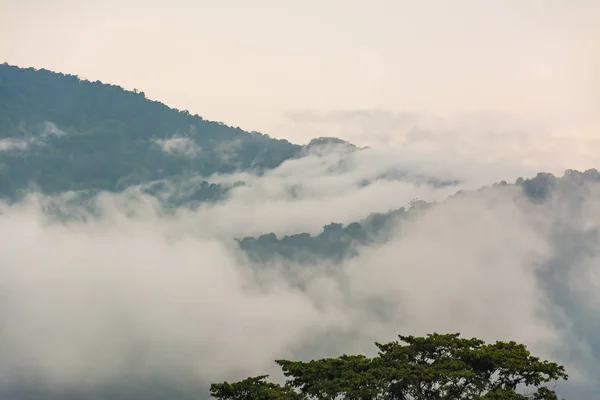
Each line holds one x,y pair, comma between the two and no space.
46,131
552,144
129,290
304,194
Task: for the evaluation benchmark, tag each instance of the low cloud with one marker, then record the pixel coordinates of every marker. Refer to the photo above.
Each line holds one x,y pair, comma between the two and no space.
304,194
179,145
550,144
50,129
47,131
228,150
131,291
10,144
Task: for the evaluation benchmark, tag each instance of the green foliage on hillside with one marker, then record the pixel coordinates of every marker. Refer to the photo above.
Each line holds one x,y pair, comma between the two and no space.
60,132
335,243
338,242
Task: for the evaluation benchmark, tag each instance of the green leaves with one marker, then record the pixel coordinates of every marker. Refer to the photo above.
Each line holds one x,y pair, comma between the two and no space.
352,377
254,388
434,367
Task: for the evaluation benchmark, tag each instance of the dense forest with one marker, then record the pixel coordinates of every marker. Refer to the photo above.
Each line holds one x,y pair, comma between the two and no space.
59,132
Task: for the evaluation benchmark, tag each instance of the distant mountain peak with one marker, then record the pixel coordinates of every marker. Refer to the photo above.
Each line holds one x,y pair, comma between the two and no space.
325,144
327,140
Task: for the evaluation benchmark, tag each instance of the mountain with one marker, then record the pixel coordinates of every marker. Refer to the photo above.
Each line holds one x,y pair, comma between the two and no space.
59,132
338,242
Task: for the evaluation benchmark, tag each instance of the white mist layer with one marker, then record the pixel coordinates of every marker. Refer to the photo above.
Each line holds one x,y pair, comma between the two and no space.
143,294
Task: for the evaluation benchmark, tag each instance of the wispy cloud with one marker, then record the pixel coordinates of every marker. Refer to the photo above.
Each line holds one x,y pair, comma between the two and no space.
132,290
304,194
9,144
482,137
24,143
179,145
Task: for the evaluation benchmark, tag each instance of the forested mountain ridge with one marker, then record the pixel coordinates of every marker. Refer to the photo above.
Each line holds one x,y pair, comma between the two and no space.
60,132
338,241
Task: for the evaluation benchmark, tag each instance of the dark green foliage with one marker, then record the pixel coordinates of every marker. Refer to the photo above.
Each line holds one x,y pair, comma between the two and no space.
329,141
435,367
109,138
541,188
450,367
335,243
351,377
255,388
338,242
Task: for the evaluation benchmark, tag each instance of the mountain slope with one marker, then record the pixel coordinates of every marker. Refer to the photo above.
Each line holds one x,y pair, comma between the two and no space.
338,242
62,133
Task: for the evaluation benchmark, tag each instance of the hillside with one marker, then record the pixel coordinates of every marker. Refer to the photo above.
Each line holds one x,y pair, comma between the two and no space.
338,242
60,132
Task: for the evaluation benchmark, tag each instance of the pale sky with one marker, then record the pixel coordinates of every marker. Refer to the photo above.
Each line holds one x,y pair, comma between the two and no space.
253,63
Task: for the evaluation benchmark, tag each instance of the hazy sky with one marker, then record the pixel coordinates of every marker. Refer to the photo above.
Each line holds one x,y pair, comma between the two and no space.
254,63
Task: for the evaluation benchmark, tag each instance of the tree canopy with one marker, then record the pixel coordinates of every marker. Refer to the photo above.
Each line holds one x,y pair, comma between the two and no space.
434,367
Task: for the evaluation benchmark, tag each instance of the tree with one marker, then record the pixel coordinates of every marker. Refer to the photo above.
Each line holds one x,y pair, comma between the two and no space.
253,388
434,367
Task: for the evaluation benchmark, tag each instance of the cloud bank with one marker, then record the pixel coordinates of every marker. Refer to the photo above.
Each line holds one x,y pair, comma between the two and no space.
47,130
130,291
179,145
550,144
